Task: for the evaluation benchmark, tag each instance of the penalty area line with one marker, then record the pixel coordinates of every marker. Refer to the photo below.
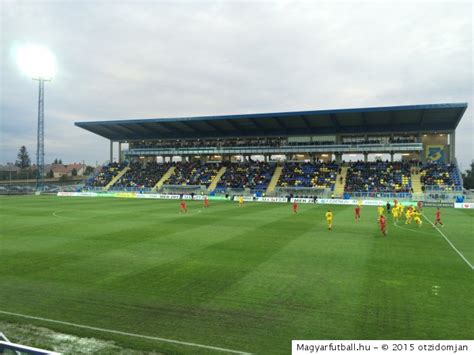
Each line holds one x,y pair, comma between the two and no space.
111,331
450,244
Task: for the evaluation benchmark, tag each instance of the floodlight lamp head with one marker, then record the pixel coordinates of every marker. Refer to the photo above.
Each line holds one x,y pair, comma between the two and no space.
36,61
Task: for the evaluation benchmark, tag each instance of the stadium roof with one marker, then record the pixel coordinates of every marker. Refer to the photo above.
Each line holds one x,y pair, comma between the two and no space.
396,119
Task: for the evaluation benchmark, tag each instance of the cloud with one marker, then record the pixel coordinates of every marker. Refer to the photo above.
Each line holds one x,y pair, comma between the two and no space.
157,59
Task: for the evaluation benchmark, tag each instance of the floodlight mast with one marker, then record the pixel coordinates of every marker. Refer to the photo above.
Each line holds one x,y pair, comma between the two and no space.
40,137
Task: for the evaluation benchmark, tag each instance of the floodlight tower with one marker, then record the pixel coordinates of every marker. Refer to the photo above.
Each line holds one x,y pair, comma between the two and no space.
38,63
40,137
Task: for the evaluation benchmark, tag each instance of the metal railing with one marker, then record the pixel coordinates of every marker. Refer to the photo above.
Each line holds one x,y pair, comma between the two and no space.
286,149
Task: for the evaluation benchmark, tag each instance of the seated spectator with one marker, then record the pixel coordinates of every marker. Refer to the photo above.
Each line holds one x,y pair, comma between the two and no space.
193,173
106,174
143,175
253,175
317,175
437,176
378,176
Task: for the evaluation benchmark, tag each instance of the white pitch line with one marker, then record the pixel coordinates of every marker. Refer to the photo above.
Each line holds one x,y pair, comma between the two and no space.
451,244
411,230
165,340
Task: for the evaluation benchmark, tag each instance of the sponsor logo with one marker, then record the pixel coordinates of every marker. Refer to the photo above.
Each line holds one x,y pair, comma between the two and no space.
437,204
272,199
464,205
77,194
126,194
302,200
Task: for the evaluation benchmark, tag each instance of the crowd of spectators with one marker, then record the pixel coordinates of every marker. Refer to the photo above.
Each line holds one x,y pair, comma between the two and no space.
106,174
213,143
380,176
253,175
317,175
142,175
261,142
441,176
377,140
193,173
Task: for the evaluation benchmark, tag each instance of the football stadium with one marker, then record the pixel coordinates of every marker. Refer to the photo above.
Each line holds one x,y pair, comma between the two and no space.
241,233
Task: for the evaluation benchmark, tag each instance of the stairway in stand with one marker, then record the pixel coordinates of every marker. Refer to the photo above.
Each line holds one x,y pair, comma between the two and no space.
416,183
165,177
273,182
116,178
216,179
339,187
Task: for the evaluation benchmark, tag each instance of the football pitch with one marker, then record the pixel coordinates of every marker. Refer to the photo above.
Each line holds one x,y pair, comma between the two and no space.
226,278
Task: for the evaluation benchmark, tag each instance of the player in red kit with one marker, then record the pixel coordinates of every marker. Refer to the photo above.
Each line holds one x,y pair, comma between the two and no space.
206,202
183,207
438,218
295,207
420,205
382,225
357,213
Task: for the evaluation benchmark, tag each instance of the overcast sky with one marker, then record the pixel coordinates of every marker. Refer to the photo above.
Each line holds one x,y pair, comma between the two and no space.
164,59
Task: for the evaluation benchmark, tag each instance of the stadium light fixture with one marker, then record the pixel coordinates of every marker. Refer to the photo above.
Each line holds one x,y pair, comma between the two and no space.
38,63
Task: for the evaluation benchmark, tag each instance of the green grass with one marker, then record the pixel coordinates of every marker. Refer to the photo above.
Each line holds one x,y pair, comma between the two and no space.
250,279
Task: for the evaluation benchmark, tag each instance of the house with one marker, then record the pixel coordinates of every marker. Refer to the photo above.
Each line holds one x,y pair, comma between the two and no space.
60,170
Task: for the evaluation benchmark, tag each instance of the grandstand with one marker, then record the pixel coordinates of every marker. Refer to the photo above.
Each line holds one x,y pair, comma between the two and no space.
402,151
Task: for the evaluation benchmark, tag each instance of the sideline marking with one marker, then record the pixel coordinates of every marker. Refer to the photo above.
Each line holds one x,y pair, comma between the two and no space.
165,340
449,242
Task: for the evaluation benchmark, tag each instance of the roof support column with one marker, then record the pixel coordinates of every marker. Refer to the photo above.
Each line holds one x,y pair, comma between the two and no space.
452,146
111,150
119,152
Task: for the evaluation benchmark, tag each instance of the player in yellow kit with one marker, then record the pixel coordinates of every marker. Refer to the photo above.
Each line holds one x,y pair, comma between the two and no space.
395,213
400,209
417,218
380,210
241,201
329,216
408,215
